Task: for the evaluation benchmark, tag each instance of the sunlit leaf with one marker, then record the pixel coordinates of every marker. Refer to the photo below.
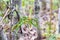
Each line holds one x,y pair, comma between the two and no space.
2,6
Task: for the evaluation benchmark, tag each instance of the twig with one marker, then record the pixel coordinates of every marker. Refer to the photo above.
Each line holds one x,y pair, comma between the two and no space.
4,15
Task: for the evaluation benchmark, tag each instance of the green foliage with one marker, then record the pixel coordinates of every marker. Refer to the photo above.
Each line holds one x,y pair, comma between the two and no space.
27,2
57,35
2,6
5,0
6,20
55,4
1,14
25,20
48,29
52,37
54,7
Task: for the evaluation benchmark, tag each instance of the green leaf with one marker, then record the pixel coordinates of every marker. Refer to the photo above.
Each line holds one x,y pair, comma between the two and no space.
22,20
2,6
5,0
52,37
35,22
17,25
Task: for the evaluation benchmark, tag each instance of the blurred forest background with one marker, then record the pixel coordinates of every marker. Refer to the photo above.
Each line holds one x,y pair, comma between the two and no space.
29,19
